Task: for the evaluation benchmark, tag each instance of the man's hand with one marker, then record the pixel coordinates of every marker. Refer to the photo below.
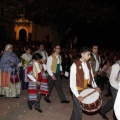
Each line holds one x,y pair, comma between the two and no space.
97,89
53,77
44,61
61,73
38,83
80,98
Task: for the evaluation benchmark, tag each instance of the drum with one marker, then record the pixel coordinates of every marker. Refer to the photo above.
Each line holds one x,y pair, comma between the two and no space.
92,100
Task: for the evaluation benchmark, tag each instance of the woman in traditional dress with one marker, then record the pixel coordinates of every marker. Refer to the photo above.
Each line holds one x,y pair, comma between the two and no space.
37,82
25,60
10,82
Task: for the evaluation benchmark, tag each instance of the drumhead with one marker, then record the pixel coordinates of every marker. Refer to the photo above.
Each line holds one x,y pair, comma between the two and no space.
91,98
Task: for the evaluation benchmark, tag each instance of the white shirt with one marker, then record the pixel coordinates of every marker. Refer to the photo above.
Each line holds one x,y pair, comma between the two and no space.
117,105
43,53
30,75
73,77
97,63
26,57
49,63
113,76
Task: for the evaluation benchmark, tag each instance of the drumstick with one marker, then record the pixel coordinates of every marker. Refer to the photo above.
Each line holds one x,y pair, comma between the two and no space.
89,94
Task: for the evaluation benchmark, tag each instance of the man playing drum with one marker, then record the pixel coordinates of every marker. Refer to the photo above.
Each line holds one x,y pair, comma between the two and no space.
81,76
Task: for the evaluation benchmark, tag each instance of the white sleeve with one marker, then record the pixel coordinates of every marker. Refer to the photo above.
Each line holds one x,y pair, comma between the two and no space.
94,85
46,54
61,67
73,80
113,76
20,64
60,64
49,63
117,105
31,77
36,51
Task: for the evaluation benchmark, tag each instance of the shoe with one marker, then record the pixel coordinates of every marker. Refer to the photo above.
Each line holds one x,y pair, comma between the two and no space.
47,100
13,97
104,116
65,101
39,110
17,97
1,95
29,106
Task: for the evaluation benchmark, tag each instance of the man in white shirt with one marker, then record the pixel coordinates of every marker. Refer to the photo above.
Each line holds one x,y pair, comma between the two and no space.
117,105
95,62
54,70
80,76
114,83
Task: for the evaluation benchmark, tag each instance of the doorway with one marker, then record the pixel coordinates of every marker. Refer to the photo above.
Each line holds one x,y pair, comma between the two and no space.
22,35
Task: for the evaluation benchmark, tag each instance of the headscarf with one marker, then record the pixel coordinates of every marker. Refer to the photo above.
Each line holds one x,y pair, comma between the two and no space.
8,46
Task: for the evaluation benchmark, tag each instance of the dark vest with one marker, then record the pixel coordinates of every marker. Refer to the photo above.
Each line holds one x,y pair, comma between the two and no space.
93,61
80,74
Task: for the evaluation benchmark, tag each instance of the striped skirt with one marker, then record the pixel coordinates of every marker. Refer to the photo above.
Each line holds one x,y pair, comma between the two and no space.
34,89
44,84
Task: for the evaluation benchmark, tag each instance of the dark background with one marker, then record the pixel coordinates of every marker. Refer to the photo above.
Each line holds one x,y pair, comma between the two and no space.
92,21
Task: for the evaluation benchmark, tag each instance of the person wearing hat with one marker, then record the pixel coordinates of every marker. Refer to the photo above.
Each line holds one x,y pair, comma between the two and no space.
10,82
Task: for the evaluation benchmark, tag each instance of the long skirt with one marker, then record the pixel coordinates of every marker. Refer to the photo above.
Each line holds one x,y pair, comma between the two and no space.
10,84
44,89
33,88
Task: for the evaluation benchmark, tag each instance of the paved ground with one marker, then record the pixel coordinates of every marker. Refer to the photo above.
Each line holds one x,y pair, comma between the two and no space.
16,108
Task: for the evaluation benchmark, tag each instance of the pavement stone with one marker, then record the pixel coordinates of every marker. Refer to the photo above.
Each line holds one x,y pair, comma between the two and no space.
17,109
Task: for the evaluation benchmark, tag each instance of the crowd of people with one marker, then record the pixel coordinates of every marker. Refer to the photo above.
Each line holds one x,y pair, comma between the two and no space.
38,67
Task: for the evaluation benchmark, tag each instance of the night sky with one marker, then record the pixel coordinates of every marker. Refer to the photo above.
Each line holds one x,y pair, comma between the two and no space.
90,20
104,36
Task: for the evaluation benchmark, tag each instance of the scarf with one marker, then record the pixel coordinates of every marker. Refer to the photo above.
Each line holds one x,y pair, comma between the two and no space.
37,68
